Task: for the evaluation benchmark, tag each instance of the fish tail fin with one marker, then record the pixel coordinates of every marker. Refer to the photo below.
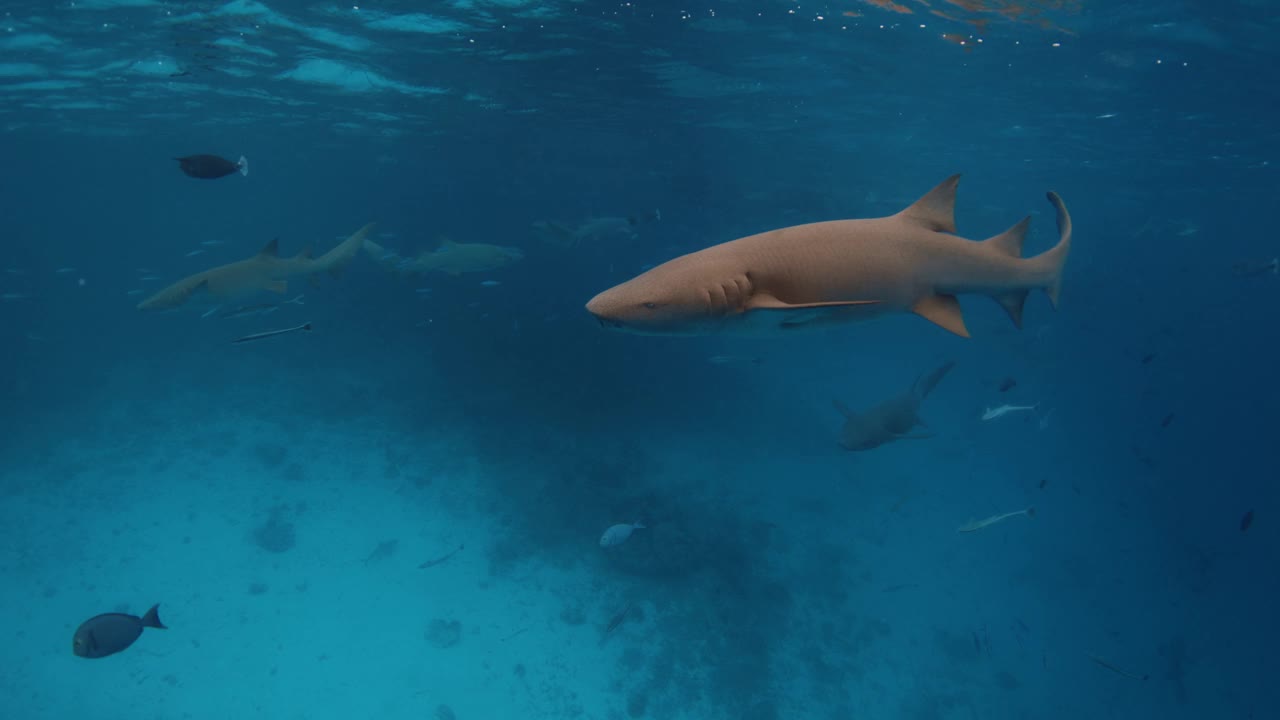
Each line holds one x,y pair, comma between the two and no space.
1049,263
152,618
1009,243
243,164
306,327
1031,512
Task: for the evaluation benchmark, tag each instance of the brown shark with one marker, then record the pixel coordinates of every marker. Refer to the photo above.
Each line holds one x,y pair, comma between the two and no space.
839,271
266,271
891,420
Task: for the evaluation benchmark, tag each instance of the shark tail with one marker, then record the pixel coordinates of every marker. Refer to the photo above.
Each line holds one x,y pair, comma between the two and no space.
1053,260
243,164
1046,267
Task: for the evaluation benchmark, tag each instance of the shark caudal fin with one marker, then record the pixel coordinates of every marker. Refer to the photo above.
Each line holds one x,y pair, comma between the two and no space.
1054,259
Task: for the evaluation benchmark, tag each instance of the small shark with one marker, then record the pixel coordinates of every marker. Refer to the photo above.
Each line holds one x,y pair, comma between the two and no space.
267,271
892,419
993,413
453,258
836,272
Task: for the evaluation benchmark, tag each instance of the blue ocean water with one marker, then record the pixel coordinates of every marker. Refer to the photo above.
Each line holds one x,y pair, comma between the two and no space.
398,513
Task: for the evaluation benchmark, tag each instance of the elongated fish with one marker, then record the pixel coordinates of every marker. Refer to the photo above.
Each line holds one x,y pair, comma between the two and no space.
974,525
272,333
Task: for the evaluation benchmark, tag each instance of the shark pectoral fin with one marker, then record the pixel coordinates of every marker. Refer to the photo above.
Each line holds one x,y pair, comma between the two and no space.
943,310
278,286
842,409
794,315
916,436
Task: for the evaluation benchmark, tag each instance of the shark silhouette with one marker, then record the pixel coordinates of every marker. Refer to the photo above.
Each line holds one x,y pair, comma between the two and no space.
891,420
839,271
266,271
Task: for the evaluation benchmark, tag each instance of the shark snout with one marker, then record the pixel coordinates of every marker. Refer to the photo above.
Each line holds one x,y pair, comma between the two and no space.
599,310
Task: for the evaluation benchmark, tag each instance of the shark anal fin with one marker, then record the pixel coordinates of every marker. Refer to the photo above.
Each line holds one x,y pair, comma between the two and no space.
942,310
1012,303
278,286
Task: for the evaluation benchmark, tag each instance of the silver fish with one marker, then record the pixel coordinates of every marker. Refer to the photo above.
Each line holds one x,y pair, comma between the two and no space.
618,534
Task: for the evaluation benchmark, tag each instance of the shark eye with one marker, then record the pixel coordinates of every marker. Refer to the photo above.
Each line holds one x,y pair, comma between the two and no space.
651,306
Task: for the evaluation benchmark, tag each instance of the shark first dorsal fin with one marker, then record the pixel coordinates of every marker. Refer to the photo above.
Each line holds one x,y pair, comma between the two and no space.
271,249
937,209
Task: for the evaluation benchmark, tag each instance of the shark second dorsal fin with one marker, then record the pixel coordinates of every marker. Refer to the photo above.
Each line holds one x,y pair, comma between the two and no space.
271,249
937,209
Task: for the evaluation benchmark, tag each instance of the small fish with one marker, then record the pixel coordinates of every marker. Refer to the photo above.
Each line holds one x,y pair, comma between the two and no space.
212,167
1043,483
384,550
135,292
272,333
195,252
107,634
15,271
442,558
64,271
974,525
1008,384
259,309
1146,359
1164,422
1252,268
733,360
148,278
993,413
9,297
618,534
1117,670
1105,116
216,243
490,283
616,621
1246,521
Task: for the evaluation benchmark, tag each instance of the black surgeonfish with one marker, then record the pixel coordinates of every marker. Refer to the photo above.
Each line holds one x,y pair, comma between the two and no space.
109,633
212,167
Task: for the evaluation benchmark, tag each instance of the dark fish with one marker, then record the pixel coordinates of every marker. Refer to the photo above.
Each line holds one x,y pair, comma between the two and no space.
1148,358
385,549
110,633
272,333
1007,384
212,167
1167,419
1246,521
442,558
